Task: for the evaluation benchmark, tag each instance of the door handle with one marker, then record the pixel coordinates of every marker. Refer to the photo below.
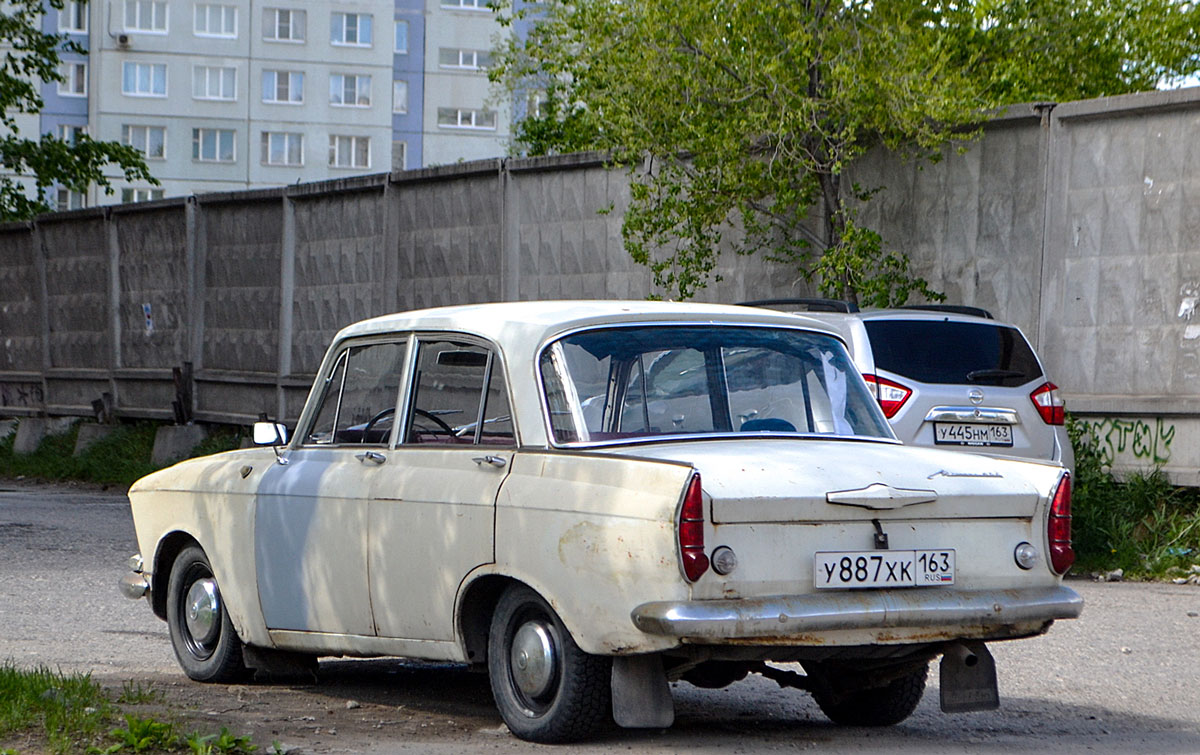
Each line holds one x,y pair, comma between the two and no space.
495,461
373,456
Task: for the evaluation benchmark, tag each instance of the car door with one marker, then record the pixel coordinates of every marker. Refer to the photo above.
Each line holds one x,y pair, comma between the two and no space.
312,512
432,513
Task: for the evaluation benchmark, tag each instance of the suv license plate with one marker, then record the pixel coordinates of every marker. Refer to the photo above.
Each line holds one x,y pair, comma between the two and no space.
968,434
865,569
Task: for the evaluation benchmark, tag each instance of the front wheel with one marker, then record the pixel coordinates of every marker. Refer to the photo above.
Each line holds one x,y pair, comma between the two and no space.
547,689
884,705
202,635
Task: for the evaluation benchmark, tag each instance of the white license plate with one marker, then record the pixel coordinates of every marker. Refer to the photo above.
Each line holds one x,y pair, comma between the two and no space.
858,569
968,434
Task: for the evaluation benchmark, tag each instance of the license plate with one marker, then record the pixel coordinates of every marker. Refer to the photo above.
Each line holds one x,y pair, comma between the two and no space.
863,569
967,434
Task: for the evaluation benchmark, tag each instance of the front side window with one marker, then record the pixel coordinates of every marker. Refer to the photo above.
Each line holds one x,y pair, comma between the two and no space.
151,141
146,16
282,148
215,20
214,83
74,81
144,79
283,24
349,151
459,397
286,87
213,145
350,29
353,90
639,382
73,18
358,400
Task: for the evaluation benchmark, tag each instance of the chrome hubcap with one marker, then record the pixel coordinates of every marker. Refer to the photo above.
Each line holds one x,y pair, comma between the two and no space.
533,659
202,611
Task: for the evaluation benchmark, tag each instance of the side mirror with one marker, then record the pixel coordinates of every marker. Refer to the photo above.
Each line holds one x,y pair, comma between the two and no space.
270,434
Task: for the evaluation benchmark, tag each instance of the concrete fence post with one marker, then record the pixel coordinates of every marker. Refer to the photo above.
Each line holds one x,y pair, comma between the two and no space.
114,303
287,303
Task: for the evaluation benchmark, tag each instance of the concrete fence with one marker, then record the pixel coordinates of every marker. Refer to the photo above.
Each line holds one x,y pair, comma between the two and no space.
1080,222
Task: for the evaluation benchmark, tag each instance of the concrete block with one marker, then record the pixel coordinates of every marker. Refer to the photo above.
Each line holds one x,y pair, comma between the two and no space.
32,430
89,433
175,442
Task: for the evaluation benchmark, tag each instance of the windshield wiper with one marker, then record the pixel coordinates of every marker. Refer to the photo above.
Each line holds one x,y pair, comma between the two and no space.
992,374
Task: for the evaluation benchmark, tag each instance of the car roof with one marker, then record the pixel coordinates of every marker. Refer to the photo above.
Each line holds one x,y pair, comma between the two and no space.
540,320
927,315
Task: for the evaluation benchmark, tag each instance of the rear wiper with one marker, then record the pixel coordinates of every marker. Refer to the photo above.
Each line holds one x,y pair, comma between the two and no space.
993,374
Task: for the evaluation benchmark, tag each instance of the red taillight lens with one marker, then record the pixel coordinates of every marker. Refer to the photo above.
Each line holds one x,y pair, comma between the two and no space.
1049,404
1062,555
691,532
891,395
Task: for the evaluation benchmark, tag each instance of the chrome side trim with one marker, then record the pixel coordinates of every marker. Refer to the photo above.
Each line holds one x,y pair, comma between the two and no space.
973,414
781,615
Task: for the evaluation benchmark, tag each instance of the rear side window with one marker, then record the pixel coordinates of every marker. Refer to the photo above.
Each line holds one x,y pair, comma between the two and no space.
938,351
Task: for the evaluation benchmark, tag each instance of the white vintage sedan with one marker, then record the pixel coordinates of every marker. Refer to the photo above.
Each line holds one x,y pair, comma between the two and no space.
593,499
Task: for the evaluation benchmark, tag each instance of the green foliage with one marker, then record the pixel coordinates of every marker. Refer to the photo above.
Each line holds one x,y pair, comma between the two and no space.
224,743
133,693
142,735
739,117
1143,524
68,710
33,57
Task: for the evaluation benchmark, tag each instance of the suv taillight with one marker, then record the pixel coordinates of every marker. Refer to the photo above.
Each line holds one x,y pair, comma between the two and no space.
891,395
691,532
1049,404
1058,527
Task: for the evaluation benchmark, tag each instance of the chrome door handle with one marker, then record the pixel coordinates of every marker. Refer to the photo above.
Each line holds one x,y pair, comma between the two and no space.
373,456
495,461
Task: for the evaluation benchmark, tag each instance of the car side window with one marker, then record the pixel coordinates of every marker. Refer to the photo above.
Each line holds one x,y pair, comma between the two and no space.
359,402
459,396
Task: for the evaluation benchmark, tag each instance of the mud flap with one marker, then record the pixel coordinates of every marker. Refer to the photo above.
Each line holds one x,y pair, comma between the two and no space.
968,678
641,698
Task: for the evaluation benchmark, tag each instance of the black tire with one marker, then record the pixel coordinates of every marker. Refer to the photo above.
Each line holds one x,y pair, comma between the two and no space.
205,643
563,698
875,706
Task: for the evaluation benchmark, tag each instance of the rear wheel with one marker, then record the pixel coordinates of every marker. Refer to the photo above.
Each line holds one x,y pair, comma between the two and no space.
202,634
546,688
867,705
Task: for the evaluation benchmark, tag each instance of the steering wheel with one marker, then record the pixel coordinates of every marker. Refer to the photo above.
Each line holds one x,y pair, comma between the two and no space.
442,427
366,433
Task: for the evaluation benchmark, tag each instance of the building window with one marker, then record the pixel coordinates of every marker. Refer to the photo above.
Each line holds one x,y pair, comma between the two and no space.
212,145
350,90
470,60
399,155
74,83
399,96
70,134
280,148
144,79
214,83
283,87
73,17
349,151
401,37
65,199
283,25
215,20
449,117
151,141
140,195
147,16
350,29
467,5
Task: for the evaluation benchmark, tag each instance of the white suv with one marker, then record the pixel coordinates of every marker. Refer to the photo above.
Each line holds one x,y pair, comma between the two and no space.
951,376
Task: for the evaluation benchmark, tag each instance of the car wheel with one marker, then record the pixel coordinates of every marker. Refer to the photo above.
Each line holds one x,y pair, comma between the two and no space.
875,706
202,635
547,689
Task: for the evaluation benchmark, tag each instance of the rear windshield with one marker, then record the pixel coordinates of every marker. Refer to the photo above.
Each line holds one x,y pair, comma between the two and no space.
940,351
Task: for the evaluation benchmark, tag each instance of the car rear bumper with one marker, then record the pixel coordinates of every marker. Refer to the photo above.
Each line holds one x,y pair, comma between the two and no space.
802,615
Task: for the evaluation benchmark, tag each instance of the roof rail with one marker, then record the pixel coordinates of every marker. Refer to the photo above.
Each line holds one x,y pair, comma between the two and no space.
957,309
810,305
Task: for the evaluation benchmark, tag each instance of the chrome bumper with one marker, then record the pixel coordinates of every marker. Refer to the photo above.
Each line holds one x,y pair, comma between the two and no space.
783,615
134,585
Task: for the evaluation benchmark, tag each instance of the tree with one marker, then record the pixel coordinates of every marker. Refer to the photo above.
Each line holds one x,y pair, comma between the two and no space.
745,114
32,57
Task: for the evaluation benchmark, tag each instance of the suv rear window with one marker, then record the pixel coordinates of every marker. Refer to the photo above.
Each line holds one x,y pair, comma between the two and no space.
940,351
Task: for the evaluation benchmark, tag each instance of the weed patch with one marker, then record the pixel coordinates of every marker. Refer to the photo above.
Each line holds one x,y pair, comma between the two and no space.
69,711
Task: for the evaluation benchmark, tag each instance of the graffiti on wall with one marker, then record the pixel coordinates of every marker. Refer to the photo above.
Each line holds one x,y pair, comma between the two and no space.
1145,440
21,394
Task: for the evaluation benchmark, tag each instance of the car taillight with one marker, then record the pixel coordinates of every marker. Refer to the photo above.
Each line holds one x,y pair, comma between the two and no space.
691,532
1049,404
891,395
1058,527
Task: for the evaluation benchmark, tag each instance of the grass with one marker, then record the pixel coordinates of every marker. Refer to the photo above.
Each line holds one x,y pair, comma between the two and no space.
119,458
1142,524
